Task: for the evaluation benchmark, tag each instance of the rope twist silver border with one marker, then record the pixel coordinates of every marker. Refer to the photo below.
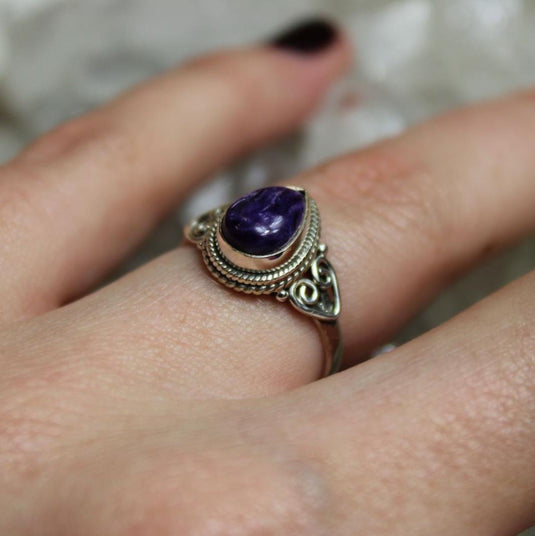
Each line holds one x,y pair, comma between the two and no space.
305,278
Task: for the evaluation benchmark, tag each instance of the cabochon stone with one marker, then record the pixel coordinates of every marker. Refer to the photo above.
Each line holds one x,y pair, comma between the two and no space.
263,222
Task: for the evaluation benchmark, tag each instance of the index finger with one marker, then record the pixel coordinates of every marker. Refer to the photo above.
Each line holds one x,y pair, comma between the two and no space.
74,203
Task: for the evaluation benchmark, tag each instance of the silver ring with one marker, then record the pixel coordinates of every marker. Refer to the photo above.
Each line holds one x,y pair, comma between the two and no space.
268,242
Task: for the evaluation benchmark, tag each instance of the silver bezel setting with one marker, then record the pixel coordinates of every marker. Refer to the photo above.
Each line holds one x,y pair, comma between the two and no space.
252,274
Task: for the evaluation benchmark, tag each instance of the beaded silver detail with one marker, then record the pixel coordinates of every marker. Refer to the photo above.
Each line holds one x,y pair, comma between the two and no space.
204,232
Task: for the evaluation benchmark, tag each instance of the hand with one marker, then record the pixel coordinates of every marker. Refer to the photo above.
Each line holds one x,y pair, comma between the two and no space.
164,404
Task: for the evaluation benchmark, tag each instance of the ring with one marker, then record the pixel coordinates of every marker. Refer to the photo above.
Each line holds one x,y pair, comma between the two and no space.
268,242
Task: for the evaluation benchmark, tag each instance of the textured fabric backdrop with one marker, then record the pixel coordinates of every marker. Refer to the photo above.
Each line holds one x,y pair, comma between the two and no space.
415,58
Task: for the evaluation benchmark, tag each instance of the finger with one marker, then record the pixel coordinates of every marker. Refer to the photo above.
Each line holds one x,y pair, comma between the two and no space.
406,217
76,201
399,219
438,435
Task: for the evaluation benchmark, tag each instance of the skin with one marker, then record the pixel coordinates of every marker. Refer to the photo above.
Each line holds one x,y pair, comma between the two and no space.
145,408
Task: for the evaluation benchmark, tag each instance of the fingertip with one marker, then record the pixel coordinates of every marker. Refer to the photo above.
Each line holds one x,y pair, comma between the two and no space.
311,56
309,37
313,40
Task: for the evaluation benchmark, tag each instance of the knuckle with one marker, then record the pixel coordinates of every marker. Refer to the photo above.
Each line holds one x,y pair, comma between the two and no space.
41,404
117,148
20,201
34,192
512,376
30,203
97,138
371,173
28,430
381,186
23,443
496,402
64,139
211,494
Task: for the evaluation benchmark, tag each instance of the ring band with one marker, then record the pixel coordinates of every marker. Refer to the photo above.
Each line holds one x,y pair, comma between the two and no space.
268,242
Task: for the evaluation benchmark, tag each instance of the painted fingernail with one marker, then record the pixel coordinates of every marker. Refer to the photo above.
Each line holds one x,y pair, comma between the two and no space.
309,37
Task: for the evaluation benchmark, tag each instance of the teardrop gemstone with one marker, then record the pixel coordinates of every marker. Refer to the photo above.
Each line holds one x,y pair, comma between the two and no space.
263,222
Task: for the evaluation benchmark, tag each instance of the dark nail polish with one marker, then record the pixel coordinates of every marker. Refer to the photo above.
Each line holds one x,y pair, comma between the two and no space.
310,37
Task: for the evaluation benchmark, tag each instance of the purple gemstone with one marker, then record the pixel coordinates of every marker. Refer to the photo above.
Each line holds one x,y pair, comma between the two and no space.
264,221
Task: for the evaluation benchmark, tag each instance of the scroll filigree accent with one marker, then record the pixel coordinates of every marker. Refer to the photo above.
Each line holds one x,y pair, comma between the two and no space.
197,230
318,295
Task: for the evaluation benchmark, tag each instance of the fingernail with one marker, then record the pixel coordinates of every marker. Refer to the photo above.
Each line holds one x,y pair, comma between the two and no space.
309,37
